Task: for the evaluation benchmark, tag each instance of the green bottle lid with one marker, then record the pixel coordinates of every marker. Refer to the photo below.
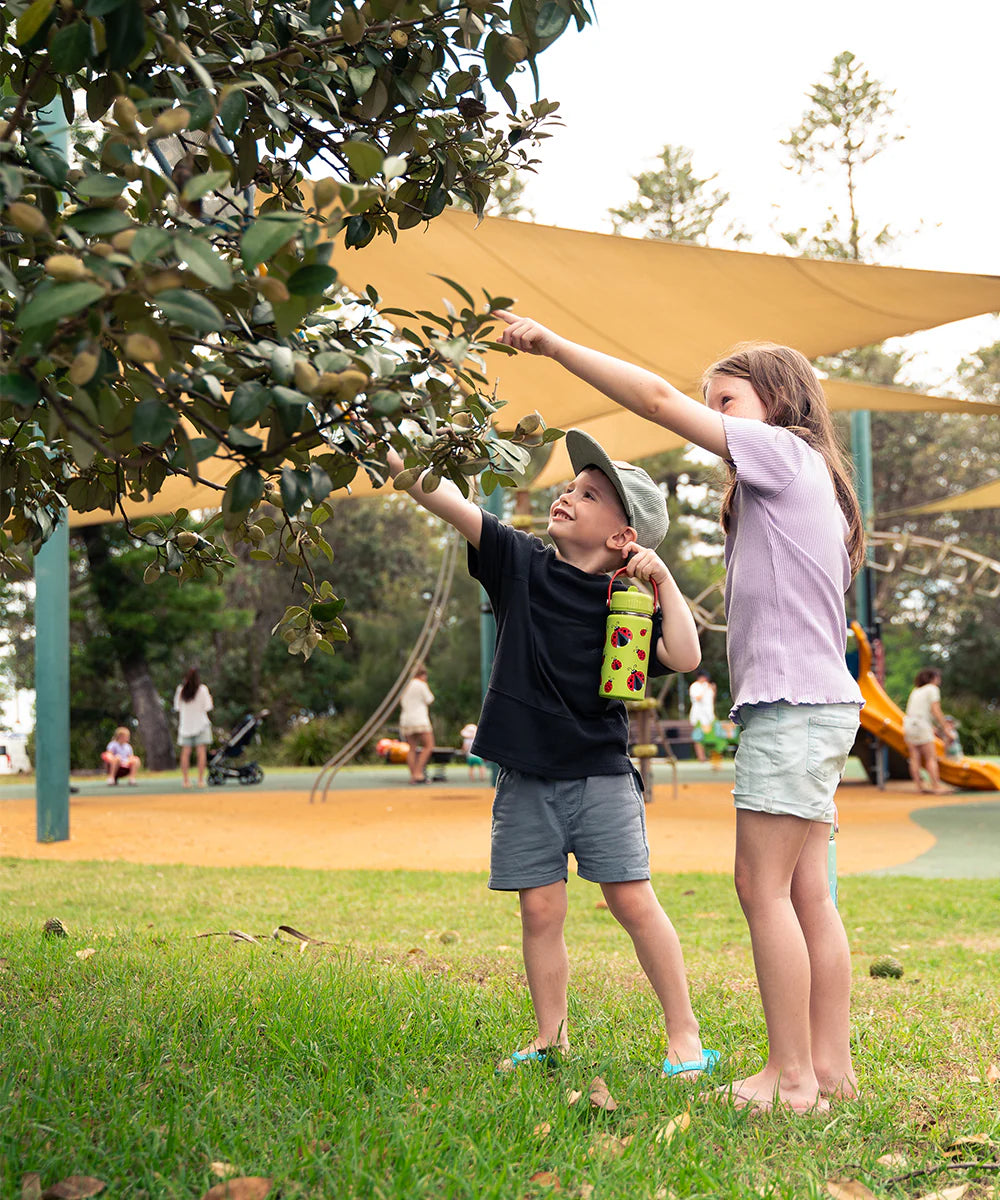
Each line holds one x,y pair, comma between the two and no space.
632,600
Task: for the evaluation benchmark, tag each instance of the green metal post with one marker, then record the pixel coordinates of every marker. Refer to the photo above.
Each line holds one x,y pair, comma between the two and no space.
493,503
52,687
861,449
52,636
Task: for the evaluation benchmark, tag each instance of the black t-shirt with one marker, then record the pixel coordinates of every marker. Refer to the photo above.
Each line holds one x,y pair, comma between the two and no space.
543,713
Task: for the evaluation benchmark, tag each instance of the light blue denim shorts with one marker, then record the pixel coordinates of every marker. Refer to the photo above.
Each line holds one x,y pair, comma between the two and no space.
204,738
539,822
791,757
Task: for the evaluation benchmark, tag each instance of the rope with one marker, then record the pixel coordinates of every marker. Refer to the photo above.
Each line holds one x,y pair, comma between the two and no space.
432,623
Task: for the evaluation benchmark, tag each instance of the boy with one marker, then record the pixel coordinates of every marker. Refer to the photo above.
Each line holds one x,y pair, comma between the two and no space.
566,783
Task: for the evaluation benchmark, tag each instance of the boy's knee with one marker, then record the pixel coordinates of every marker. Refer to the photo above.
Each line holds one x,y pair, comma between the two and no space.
631,903
542,908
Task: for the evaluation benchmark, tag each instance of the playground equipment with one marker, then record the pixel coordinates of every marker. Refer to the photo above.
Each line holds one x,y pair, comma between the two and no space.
432,622
883,717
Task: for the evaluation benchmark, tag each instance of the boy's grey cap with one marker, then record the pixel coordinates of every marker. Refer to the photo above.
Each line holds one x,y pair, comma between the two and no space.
644,503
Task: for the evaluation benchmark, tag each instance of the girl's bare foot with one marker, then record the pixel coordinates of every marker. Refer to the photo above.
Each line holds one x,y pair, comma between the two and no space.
765,1091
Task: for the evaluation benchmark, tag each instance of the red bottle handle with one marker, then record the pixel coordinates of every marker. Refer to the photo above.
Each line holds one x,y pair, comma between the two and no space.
656,593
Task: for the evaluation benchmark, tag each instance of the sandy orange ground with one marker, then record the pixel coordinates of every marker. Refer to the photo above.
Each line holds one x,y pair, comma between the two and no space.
427,828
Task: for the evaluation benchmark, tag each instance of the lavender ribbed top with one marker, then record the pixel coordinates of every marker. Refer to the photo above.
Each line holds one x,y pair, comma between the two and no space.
787,569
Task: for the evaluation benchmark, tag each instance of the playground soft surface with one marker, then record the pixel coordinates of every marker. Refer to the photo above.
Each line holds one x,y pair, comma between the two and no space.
134,1052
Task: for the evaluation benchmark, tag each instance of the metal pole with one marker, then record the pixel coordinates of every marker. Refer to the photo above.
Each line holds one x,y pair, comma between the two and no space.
861,450
52,687
52,635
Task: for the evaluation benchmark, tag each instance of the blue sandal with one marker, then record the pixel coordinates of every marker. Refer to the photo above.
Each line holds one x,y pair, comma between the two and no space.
706,1064
518,1057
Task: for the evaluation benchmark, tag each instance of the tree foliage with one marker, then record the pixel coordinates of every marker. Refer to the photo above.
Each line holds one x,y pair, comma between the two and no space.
847,124
173,283
672,203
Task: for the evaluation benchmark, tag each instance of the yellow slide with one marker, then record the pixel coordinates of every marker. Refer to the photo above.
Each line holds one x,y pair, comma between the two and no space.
882,717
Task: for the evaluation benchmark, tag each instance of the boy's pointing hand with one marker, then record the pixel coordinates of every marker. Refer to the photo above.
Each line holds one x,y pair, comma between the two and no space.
526,335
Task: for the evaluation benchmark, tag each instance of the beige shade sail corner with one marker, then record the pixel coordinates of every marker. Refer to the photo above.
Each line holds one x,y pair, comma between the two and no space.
985,496
670,307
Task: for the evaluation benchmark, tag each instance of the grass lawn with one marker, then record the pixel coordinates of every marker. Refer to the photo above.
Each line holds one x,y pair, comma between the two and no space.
364,1067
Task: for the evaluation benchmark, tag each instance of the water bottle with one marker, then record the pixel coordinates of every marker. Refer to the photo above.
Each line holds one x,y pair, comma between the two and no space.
627,642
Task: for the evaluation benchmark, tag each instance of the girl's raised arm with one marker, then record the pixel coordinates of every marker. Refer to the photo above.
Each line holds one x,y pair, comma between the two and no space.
634,388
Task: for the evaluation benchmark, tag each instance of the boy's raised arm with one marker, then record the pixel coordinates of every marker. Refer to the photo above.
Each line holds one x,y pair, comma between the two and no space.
640,391
446,502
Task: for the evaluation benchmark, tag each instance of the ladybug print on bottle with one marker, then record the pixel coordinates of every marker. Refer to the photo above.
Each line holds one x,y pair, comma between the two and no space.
636,681
621,636
641,655
608,686
616,664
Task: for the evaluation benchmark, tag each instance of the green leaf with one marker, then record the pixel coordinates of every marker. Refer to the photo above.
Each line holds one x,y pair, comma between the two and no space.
19,389
60,300
361,78
125,29
152,422
196,253
31,20
326,610
319,11
311,281
294,490
99,222
248,402
100,187
266,236
190,310
364,159
70,48
244,489
359,232
243,440
320,484
551,22
51,166
201,105
148,243
458,288
233,112
101,8
201,185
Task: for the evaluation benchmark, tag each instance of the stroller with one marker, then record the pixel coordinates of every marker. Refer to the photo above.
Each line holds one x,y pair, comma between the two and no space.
219,769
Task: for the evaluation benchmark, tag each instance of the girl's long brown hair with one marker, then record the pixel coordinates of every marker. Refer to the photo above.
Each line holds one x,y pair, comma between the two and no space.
793,399
192,681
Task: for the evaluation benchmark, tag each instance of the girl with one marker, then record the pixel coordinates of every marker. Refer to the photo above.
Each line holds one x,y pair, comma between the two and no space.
794,538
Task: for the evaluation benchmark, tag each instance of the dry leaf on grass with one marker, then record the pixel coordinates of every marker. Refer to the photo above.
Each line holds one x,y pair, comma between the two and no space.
974,1139
83,955
546,1179
601,904
543,1130
247,1187
891,1160
600,1097
993,1072
74,1187
585,1190
31,1186
608,1145
223,1170
666,1132
572,1097
948,1193
848,1189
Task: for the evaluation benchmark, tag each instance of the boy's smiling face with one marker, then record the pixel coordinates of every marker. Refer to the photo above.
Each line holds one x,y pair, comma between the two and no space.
587,520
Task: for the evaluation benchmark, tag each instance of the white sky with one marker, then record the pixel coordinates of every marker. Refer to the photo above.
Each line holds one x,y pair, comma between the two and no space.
729,80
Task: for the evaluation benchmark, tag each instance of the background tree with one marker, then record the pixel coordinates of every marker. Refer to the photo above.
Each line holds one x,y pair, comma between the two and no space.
170,289
672,203
847,124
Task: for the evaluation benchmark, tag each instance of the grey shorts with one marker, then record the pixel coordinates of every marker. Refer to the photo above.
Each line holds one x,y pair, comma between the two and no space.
539,822
791,757
204,738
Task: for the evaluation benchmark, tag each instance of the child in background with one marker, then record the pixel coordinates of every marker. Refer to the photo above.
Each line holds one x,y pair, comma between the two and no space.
119,758
468,736
794,538
566,784
953,744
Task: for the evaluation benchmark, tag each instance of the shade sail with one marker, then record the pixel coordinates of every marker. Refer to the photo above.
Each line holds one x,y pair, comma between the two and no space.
672,308
986,496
